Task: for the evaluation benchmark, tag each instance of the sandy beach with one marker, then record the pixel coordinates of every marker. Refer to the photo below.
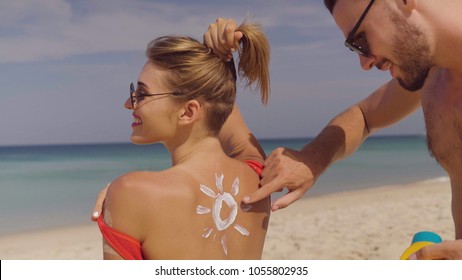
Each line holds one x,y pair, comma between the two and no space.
376,223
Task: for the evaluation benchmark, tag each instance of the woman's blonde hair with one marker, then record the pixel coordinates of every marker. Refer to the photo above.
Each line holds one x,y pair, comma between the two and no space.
195,72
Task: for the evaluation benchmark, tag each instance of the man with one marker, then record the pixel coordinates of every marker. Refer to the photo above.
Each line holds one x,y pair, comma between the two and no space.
420,43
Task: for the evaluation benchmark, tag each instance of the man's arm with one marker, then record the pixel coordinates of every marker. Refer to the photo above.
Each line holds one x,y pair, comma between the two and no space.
298,170
346,132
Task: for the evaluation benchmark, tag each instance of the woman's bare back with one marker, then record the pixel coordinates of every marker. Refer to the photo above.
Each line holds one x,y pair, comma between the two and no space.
194,211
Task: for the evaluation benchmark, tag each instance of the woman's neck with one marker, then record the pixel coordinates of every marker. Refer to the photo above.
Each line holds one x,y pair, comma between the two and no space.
204,147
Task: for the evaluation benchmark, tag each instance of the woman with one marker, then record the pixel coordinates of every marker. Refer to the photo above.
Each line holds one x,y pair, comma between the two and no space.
184,96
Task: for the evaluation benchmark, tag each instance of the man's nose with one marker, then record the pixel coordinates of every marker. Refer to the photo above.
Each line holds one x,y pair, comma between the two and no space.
367,62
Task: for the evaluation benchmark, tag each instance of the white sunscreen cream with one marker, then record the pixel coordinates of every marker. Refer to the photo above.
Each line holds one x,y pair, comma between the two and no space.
220,198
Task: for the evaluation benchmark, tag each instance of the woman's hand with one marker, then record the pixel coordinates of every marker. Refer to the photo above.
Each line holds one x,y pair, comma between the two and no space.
99,203
223,38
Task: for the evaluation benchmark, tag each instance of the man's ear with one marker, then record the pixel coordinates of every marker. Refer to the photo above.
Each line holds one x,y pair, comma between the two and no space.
189,112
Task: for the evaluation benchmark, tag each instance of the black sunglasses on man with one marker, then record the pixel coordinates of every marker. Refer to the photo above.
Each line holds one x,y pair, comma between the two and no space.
359,45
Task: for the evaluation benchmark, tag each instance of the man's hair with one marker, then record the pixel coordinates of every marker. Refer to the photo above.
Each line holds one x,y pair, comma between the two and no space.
330,5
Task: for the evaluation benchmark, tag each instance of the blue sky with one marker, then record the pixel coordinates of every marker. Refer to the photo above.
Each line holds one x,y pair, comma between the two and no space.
65,66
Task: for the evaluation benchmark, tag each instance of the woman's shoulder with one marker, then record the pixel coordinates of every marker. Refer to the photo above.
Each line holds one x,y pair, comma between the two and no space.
152,189
135,199
139,186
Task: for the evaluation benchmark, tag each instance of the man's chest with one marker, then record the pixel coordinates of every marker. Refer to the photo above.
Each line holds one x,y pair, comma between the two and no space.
442,107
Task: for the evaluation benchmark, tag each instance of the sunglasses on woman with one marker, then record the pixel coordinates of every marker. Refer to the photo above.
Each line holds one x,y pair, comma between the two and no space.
137,97
359,45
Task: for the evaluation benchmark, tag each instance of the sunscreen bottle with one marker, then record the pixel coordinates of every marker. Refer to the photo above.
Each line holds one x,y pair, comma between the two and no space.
420,240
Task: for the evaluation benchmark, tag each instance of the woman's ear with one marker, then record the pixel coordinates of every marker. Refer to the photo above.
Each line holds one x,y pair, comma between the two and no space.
189,112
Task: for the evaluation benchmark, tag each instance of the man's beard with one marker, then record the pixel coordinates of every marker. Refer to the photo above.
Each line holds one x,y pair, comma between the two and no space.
412,51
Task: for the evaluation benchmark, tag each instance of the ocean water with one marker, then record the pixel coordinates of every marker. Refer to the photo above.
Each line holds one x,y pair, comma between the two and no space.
48,186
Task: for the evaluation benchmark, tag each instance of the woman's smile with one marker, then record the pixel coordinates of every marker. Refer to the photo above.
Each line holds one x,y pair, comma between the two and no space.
136,120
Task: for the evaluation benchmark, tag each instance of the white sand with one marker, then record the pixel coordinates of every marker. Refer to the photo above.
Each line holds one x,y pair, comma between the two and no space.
375,223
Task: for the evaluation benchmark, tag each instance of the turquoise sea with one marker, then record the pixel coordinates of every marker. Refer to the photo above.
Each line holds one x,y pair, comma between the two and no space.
48,186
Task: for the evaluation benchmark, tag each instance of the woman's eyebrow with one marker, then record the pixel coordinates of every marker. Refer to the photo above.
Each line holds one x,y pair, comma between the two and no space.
142,84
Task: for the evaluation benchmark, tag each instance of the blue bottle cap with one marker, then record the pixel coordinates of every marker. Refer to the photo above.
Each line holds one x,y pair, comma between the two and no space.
427,236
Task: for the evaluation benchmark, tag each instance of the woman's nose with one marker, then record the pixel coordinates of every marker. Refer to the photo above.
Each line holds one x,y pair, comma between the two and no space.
128,104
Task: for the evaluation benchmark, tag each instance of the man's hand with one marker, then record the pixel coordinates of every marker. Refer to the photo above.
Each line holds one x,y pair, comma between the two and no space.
223,38
447,250
284,168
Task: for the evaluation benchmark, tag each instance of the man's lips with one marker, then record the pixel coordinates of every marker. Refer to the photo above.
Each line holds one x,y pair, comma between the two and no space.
136,120
386,66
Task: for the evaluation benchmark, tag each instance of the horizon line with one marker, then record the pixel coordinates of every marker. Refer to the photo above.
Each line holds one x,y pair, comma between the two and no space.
128,142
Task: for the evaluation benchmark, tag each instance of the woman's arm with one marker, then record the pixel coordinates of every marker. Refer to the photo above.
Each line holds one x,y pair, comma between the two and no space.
238,141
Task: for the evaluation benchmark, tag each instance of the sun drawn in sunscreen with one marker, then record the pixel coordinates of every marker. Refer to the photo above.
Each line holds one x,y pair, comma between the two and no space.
220,198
